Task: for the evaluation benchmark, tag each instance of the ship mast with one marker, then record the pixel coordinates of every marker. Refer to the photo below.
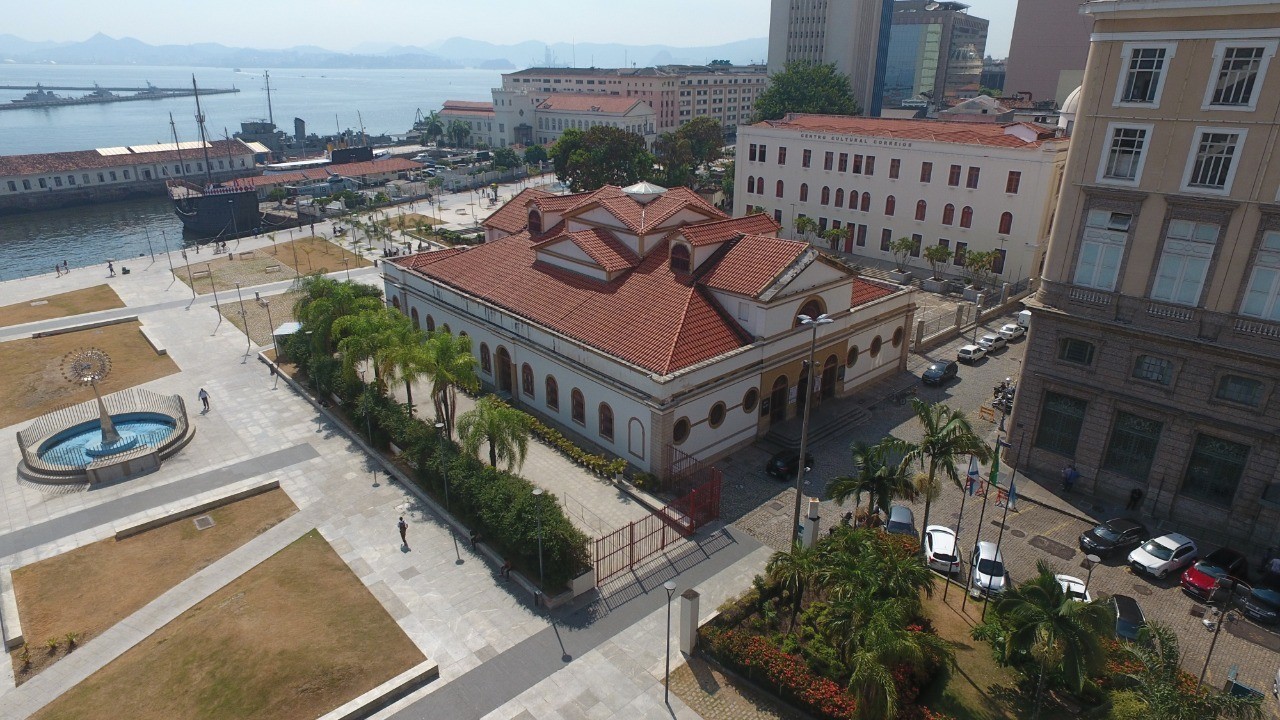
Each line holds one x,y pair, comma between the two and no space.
204,142
177,146
271,118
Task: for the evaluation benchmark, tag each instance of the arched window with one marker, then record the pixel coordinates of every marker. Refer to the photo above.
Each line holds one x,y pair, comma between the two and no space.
866,202
526,379
578,406
826,195
445,329
853,199
679,258
486,361
413,313
535,221
431,324
606,421
839,197
812,308
966,217
778,189
635,437
395,303
553,393
922,207
804,192
1006,223
751,183
948,214
890,205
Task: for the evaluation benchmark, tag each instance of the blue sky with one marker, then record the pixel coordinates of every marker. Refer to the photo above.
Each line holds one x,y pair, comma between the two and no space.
332,23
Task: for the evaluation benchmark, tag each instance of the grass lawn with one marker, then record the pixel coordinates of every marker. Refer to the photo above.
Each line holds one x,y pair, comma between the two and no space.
34,384
89,589
293,258
76,302
291,639
409,221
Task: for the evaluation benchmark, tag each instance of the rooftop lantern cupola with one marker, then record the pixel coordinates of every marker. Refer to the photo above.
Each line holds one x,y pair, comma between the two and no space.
644,192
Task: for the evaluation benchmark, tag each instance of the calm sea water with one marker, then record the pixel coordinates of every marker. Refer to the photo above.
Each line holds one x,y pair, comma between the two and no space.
88,235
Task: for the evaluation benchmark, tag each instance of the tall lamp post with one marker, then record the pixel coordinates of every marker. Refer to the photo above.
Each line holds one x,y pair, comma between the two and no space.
802,470
670,587
443,474
1224,616
537,499
244,318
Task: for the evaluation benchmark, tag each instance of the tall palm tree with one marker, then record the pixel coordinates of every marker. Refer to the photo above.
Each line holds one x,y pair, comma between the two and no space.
880,644
433,128
324,300
881,480
505,429
410,359
458,132
1050,625
450,365
947,438
1160,690
794,571
373,337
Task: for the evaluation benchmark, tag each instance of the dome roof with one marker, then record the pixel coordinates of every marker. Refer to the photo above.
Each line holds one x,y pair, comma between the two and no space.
1069,108
644,192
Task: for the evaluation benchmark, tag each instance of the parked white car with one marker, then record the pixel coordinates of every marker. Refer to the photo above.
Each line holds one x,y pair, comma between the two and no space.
1073,587
992,342
989,575
1012,331
940,549
1163,555
970,353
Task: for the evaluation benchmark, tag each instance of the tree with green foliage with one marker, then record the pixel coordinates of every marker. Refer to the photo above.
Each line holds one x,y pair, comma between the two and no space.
601,156
793,571
277,195
535,154
978,265
804,226
806,87
372,337
504,429
1055,629
323,300
901,249
833,236
937,256
705,136
675,154
726,184
876,474
433,127
458,131
504,158
450,365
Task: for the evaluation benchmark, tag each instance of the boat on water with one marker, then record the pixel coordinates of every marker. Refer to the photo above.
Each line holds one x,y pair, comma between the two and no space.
212,209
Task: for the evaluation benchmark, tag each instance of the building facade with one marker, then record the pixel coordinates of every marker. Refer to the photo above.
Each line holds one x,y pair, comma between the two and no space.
935,48
1153,360
480,118
852,35
644,322
966,186
1048,50
566,111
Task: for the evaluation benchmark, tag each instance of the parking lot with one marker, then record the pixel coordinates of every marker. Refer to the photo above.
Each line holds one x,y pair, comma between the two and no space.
1044,526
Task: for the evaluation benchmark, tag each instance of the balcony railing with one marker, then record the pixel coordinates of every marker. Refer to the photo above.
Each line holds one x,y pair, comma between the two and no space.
1170,312
1092,297
1258,327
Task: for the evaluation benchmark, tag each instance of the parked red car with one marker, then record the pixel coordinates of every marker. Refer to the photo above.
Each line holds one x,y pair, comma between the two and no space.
1201,579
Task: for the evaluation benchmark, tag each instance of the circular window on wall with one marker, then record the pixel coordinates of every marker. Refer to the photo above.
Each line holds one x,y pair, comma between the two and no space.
897,337
716,416
852,358
875,346
681,431
750,400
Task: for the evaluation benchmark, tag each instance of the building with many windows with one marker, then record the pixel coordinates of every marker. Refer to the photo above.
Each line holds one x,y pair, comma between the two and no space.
965,186
644,321
1153,360
565,111
853,35
935,48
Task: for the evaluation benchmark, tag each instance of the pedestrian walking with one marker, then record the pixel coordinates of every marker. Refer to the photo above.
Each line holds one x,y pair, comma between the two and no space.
111,269
58,270
204,399
1069,477
65,269
1135,499
404,529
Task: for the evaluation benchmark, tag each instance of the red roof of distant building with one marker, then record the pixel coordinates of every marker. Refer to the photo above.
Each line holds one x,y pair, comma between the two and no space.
92,159
717,231
359,169
513,216
993,134
589,102
467,108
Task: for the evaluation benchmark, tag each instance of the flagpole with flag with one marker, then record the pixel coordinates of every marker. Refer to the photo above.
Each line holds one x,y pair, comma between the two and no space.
993,482
995,469
971,481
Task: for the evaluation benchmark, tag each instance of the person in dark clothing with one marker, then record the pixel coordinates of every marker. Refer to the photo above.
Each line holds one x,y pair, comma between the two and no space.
1135,499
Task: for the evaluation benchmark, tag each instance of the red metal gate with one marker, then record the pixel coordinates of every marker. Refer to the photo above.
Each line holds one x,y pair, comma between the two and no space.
635,542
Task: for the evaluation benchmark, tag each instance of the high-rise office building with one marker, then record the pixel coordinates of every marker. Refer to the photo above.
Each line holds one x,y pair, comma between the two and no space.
1049,46
849,34
934,47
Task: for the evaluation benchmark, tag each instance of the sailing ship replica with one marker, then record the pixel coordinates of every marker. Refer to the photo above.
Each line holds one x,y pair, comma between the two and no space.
212,210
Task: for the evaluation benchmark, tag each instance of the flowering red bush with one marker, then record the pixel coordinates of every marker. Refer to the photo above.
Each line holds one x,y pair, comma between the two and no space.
758,658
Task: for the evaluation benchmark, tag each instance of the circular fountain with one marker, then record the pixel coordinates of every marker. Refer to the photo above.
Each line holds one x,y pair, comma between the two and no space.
132,432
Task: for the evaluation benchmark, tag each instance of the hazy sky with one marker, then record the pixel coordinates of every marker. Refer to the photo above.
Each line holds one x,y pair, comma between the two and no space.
344,24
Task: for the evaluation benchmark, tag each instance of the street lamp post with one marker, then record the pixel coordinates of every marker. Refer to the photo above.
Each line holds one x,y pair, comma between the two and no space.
440,455
166,249
537,494
151,249
670,587
346,263
1093,560
244,318
1224,617
802,470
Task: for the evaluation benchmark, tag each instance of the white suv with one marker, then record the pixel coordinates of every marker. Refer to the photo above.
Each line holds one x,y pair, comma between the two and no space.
1163,555
971,353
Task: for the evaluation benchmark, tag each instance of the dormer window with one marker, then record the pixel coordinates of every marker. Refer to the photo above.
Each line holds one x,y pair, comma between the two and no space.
680,258
535,221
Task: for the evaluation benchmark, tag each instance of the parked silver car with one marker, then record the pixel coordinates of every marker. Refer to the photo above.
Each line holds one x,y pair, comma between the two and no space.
989,576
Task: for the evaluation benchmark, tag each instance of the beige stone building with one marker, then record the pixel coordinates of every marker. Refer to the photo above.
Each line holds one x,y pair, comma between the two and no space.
1153,360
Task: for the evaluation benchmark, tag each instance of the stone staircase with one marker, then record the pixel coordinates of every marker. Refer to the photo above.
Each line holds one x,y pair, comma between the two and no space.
827,420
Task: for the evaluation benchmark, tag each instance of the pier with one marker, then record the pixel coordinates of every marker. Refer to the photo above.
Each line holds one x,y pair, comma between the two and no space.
44,97
91,88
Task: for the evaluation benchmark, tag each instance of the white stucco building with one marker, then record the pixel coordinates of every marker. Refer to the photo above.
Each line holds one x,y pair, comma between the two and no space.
642,320
967,186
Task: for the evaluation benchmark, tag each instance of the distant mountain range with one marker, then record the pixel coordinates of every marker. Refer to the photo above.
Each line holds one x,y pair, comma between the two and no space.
452,53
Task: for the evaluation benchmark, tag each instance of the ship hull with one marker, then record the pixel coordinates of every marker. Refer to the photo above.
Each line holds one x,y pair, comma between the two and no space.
218,216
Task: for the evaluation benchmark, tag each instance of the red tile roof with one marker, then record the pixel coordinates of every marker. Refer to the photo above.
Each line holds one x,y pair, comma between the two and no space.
359,169
467,108
865,291
993,134
513,216
92,159
753,263
717,231
600,245
589,102
423,259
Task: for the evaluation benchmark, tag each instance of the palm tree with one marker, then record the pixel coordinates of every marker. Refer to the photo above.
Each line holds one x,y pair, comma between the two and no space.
1047,623
794,571
882,642
324,300
411,360
450,365
433,128
947,437
374,337
882,481
458,132
504,428
805,225
1160,690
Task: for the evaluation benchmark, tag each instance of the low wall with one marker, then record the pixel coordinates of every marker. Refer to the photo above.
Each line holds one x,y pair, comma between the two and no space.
198,509
86,326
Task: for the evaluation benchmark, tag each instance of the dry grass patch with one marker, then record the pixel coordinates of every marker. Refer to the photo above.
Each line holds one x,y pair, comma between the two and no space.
76,302
255,314
291,639
34,384
89,589
315,254
410,221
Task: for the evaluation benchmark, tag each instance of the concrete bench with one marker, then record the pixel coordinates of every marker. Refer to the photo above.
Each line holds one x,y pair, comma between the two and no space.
272,269
246,254
199,273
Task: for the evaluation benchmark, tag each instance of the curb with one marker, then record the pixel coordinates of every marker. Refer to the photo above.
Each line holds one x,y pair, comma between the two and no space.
217,502
388,692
